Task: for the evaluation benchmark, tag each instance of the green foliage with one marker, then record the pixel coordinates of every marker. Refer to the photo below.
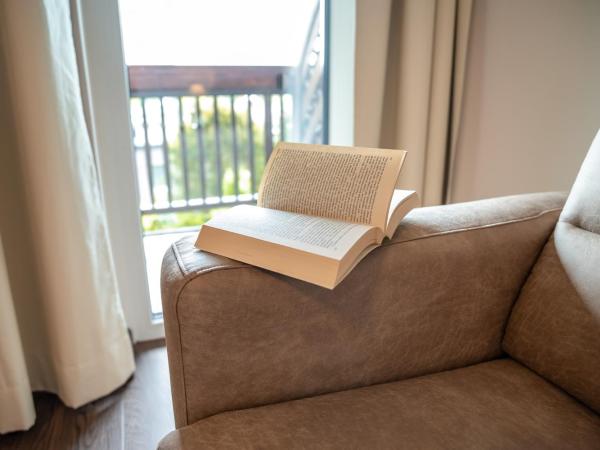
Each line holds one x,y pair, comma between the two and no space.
213,148
164,222
184,129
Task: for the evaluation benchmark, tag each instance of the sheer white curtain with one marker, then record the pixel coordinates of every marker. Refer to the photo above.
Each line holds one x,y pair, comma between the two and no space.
69,335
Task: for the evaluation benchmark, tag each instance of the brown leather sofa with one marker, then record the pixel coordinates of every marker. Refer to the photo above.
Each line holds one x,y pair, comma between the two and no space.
476,326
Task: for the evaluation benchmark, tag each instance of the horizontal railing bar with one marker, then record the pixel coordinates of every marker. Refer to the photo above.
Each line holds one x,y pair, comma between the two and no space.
181,230
179,93
199,207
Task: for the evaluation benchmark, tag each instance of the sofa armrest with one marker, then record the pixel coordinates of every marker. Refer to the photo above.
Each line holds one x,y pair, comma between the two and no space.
435,297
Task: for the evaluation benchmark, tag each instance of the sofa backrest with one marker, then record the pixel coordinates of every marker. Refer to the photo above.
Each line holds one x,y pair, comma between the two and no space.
554,327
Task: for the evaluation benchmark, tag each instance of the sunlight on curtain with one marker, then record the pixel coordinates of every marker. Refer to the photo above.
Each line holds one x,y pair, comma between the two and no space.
72,338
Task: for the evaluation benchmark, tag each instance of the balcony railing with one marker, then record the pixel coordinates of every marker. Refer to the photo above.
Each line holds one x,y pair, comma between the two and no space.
202,135
207,149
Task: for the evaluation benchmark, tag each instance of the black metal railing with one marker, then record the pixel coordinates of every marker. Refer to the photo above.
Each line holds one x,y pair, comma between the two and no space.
206,150
202,135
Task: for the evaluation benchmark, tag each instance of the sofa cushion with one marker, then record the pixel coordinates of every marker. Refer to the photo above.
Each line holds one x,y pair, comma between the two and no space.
552,331
498,404
555,325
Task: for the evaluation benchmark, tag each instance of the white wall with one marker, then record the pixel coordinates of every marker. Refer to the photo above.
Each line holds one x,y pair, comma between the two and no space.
532,96
372,26
359,39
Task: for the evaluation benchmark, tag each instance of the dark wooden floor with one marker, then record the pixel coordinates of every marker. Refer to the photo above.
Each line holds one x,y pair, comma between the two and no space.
135,416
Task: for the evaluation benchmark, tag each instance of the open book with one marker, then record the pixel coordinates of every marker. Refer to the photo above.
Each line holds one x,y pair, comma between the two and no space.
321,209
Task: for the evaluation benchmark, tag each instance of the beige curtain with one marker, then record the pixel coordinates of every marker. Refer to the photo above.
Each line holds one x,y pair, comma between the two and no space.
61,323
421,102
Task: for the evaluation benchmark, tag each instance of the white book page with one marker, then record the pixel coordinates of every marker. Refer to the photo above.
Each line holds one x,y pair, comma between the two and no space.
401,204
325,237
350,184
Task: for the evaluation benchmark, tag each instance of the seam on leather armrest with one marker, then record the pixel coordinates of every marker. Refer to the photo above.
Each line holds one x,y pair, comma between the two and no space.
185,272
179,259
478,227
178,336
177,317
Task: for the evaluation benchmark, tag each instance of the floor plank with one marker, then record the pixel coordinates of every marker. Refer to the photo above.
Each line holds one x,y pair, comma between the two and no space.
148,410
135,416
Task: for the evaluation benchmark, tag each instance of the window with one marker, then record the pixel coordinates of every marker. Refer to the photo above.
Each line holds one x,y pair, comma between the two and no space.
214,85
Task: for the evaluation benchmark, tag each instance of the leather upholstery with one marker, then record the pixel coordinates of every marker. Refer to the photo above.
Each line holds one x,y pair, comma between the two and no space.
435,297
244,343
493,405
555,325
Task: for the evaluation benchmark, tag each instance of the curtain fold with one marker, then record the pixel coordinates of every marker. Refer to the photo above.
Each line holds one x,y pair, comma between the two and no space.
422,98
17,410
71,338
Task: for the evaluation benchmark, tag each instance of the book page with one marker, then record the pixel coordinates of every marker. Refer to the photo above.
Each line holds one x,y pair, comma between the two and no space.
402,203
344,183
325,237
